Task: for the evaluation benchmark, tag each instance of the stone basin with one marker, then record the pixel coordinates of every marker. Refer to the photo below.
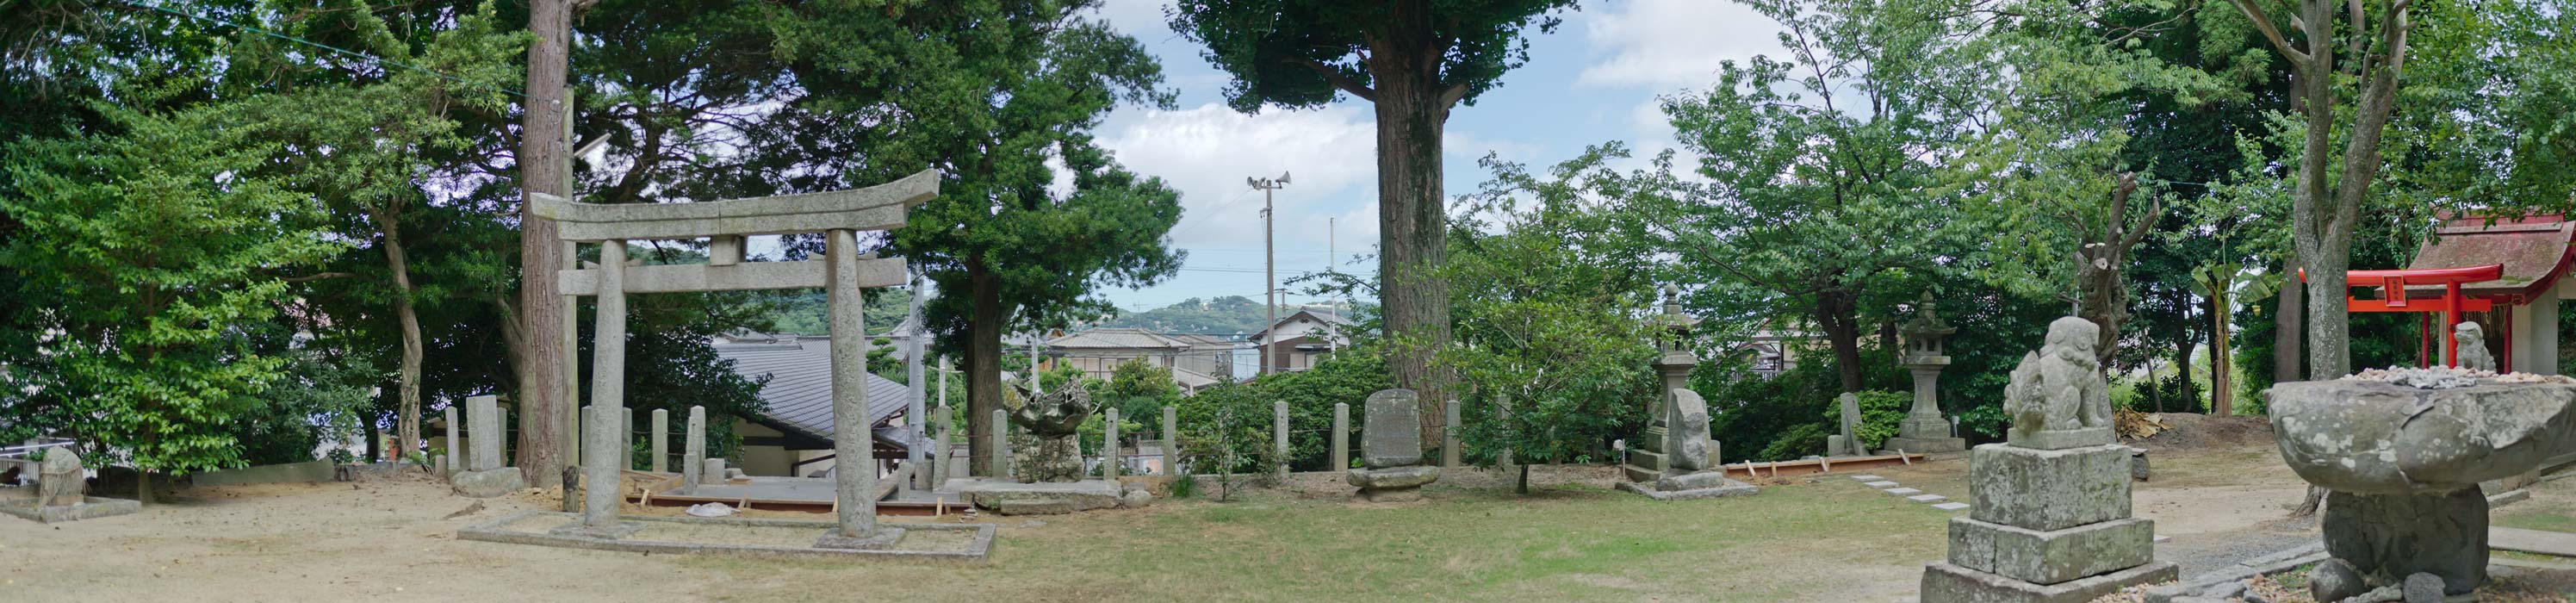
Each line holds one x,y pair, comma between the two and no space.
2377,437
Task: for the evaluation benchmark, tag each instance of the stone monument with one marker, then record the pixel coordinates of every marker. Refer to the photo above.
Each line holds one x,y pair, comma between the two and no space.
2403,454
1924,429
1053,420
2473,347
1391,448
1675,458
2050,518
485,476
62,486
1847,442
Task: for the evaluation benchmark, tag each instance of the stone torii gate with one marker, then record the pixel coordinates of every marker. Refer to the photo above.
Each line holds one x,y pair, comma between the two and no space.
842,272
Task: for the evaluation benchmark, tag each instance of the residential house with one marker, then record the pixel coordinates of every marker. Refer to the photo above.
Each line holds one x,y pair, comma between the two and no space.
1301,339
1196,361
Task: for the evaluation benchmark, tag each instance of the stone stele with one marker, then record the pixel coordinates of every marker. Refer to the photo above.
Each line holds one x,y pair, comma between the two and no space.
1689,470
2049,523
1391,446
485,477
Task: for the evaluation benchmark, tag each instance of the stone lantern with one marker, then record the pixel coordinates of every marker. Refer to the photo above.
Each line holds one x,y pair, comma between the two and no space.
1924,430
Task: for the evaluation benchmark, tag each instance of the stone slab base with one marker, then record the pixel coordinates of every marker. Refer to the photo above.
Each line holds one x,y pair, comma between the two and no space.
92,507
1925,445
978,545
488,484
1729,488
614,531
2053,556
1045,498
884,538
1391,478
2061,439
1946,583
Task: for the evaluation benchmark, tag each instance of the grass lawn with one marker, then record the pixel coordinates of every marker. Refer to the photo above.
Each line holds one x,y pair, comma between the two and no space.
1827,541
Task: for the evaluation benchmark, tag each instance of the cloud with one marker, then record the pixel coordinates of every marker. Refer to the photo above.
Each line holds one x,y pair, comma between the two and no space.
1673,45
1206,152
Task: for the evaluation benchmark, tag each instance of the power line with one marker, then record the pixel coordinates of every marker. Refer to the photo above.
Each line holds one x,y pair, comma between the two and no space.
379,61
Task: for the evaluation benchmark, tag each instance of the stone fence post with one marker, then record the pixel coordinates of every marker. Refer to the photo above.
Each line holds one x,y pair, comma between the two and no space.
1341,437
1109,446
1279,434
1449,453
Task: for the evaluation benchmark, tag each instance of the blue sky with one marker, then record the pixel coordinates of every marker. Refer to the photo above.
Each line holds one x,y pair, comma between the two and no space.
1595,79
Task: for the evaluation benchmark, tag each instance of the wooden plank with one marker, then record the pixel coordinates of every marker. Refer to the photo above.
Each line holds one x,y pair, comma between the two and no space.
808,274
879,207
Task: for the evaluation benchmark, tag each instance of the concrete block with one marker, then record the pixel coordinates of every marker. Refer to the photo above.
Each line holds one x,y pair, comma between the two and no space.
1881,484
1902,491
2048,489
1926,497
1950,506
2051,557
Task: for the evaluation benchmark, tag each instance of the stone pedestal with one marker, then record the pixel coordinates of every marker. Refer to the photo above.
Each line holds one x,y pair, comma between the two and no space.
2045,526
1924,430
1391,447
1057,459
1050,498
2389,537
1684,460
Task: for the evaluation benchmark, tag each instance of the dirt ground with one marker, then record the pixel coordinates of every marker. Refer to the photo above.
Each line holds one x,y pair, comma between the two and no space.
1825,538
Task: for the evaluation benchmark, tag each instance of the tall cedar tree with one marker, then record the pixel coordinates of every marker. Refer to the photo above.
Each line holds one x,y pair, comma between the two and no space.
1413,60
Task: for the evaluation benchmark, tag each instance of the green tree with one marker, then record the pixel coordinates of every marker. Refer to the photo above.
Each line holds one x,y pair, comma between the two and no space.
148,245
1413,61
2371,40
1552,299
1019,86
1802,187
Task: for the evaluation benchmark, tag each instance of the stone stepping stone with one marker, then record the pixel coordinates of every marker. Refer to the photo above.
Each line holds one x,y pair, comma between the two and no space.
1867,478
1902,491
1950,506
1881,484
1925,498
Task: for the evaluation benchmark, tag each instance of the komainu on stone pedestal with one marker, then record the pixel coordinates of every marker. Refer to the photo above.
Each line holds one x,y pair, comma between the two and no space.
1053,419
2057,397
2049,523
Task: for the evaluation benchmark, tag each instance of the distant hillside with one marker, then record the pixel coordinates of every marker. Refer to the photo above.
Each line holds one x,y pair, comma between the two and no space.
801,312
1229,315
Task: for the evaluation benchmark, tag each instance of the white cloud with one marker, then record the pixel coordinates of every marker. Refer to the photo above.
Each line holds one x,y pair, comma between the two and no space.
1673,45
1206,152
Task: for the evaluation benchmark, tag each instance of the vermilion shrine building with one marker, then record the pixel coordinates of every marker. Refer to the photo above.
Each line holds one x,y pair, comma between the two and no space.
2505,275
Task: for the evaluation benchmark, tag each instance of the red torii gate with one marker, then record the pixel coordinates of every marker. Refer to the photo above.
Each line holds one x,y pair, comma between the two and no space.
2392,298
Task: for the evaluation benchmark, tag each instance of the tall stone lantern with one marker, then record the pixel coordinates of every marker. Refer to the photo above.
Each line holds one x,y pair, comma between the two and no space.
1924,430
1676,459
1648,456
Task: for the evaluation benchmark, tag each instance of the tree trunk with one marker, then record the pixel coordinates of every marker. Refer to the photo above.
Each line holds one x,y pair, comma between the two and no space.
2286,332
1839,315
983,365
540,355
1412,107
2222,388
407,423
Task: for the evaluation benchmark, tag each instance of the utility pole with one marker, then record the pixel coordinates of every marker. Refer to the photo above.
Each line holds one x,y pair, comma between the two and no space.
1269,269
1035,387
1332,263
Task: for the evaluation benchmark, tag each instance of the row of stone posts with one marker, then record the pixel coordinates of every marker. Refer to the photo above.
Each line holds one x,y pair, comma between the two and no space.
1111,456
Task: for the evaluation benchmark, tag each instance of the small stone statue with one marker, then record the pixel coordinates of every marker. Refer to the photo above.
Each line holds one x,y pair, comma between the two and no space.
2473,347
1054,418
2057,397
